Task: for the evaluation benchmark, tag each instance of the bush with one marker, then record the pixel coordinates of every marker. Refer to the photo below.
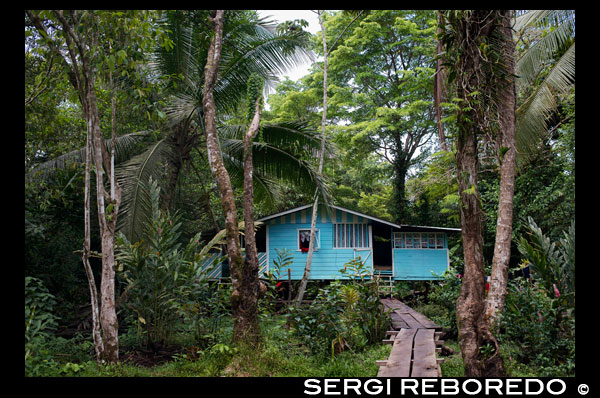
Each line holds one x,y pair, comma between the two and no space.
344,314
444,294
165,280
543,333
539,315
39,320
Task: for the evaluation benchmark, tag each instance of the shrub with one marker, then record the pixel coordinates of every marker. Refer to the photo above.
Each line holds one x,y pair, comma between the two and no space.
39,320
344,314
544,335
539,312
444,294
164,280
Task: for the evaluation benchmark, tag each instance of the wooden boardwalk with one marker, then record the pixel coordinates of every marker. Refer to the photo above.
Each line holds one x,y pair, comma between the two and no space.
414,338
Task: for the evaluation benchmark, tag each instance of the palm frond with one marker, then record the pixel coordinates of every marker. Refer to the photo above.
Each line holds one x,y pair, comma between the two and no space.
542,53
533,114
124,147
284,157
258,48
133,177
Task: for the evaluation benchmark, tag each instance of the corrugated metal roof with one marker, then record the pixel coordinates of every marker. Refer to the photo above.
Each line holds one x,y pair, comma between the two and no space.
399,226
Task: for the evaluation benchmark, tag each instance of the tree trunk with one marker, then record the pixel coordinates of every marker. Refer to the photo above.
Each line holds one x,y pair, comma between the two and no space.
107,222
234,254
400,169
507,111
96,334
480,350
250,286
472,328
439,88
313,222
181,141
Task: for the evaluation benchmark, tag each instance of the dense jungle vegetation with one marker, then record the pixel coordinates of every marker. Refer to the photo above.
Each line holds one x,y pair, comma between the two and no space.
121,114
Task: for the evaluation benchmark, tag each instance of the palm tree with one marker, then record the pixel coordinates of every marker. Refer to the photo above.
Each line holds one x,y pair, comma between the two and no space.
250,45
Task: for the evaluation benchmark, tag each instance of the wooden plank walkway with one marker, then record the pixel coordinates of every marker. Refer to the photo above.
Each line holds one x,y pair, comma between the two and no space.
405,317
414,340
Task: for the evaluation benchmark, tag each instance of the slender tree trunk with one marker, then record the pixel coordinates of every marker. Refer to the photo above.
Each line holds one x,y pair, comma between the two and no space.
107,222
250,285
96,334
439,88
313,222
181,141
507,110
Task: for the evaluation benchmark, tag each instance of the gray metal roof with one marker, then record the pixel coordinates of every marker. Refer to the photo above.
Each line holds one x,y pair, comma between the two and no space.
399,226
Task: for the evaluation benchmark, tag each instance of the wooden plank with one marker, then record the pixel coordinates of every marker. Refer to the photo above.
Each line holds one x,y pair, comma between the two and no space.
401,308
398,364
410,321
424,364
422,319
398,322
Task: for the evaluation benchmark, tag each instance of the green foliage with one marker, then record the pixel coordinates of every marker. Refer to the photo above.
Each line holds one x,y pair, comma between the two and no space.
162,277
444,294
273,279
39,321
539,317
344,315
543,333
552,263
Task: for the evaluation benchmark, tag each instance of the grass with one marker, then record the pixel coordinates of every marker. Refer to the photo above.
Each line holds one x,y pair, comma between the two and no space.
281,355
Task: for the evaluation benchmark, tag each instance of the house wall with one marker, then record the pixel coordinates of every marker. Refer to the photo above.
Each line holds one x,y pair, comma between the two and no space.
419,264
327,261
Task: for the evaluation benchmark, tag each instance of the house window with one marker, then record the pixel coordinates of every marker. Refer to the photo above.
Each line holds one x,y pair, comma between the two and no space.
304,239
418,240
351,235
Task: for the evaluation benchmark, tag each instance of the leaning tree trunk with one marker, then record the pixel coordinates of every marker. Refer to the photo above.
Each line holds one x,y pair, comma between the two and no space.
506,149
313,222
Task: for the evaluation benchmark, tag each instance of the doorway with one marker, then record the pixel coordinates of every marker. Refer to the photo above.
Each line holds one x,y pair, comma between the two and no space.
382,246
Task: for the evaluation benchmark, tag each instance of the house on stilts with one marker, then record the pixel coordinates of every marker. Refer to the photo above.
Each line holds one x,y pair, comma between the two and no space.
399,252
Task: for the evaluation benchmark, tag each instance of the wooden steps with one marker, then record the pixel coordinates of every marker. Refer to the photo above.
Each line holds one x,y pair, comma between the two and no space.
414,340
386,281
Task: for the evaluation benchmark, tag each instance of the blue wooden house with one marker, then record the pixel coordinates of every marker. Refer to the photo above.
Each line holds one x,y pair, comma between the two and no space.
405,252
